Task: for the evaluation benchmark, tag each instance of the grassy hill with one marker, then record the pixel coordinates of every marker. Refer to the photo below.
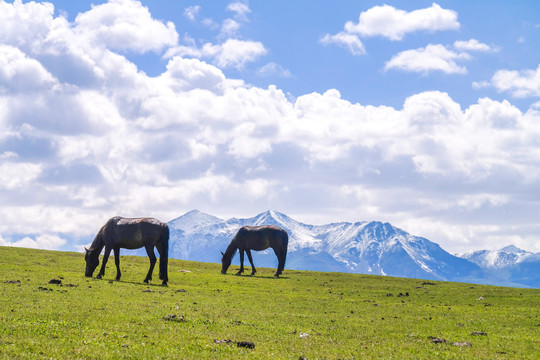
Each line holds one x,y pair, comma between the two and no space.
205,315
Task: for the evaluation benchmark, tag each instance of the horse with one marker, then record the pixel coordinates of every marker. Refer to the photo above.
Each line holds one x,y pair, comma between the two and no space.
127,233
256,238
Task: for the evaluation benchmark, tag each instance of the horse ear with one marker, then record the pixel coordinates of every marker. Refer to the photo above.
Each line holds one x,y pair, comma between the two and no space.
86,249
222,254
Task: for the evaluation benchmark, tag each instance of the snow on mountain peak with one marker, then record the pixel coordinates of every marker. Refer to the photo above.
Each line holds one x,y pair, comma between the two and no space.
511,249
193,220
497,259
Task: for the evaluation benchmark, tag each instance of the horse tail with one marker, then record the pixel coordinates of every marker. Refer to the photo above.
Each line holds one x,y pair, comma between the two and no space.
164,255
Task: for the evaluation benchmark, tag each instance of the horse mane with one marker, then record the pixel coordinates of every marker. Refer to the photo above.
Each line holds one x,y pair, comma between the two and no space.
98,243
231,250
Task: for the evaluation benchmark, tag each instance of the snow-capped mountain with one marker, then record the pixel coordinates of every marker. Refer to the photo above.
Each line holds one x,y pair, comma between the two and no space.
507,266
497,259
363,247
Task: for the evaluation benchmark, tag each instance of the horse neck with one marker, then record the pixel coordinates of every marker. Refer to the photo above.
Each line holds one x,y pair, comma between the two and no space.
231,249
98,243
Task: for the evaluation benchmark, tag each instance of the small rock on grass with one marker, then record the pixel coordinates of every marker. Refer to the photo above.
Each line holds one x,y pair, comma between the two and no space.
481,333
174,317
227,341
436,340
246,344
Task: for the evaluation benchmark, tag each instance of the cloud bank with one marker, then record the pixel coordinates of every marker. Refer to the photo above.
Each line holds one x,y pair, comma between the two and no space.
87,135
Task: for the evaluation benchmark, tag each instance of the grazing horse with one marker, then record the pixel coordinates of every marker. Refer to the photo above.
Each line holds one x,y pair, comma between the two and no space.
125,233
256,238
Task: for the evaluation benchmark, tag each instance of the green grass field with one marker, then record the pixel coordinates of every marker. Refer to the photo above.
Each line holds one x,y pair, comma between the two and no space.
205,315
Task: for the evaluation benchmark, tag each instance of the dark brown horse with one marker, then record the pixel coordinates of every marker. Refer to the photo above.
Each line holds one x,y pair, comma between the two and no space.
125,233
256,238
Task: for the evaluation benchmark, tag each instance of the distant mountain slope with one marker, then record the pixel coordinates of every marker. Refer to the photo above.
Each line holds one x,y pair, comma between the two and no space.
507,266
362,247
497,259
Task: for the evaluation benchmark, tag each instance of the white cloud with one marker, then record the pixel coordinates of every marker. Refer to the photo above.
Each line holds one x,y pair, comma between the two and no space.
16,175
231,52
472,45
240,10
394,24
522,83
349,41
273,69
428,59
229,28
235,53
116,141
125,25
191,12
47,242
20,22
389,22
20,73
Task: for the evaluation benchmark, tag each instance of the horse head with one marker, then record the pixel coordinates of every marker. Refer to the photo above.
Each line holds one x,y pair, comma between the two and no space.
92,261
225,262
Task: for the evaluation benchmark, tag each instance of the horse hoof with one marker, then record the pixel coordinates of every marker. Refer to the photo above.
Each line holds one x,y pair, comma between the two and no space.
164,284
117,279
99,276
145,281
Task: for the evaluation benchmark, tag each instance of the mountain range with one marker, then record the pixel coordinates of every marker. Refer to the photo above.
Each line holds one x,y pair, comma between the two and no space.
362,247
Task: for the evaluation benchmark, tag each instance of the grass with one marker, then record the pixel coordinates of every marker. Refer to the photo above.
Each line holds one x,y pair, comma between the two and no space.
203,314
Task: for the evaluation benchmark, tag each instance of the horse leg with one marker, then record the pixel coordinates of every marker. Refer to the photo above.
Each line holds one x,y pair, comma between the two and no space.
281,255
241,262
105,259
152,257
253,270
163,260
117,262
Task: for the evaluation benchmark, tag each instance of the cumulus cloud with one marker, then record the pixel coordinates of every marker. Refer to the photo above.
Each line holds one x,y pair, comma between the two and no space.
273,69
191,12
47,242
21,73
394,24
519,83
117,141
391,23
472,45
437,57
428,59
240,9
125,25
232,52
349,41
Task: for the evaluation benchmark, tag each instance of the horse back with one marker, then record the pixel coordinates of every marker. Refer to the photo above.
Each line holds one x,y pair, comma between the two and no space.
133,233
262,237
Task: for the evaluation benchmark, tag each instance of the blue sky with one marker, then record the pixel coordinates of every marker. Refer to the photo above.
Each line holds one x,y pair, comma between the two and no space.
423,114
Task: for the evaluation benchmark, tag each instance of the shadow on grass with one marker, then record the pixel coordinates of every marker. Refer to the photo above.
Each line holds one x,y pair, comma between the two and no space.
140,283
259,276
